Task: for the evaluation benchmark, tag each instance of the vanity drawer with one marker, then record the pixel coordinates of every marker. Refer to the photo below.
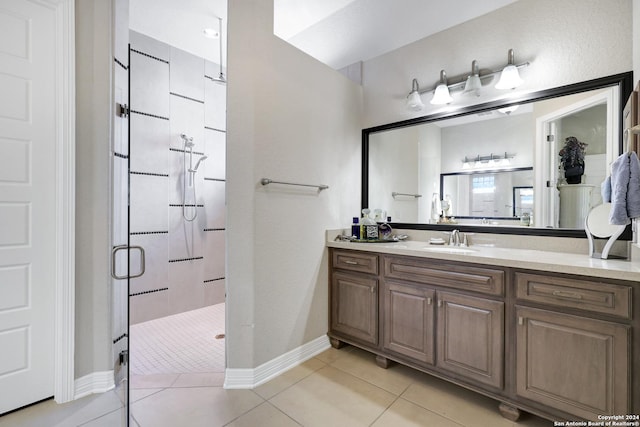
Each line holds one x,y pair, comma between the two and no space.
590,295
355,261
478,279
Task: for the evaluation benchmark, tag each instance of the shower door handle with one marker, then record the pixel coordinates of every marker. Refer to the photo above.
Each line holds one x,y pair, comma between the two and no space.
115,250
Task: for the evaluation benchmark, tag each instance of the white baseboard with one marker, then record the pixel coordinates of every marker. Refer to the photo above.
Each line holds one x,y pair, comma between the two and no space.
251,378
95,382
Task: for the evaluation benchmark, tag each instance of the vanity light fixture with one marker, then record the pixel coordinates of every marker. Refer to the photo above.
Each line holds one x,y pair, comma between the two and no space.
414,102
469,84
441,95
487,161
473,83
509,78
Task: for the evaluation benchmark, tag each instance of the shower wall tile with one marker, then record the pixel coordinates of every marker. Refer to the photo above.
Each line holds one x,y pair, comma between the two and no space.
149,85
185,286
214,196
177,178
150,46
156,201
186,75
149,306
185,238
214,292
148,201
215,148
149,142
215,98
187,117
156,276
214,255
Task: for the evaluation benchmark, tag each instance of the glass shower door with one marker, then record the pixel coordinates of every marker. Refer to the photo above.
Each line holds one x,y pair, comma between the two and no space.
125,260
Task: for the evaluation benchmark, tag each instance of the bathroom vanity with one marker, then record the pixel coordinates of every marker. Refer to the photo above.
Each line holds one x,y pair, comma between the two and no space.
549,333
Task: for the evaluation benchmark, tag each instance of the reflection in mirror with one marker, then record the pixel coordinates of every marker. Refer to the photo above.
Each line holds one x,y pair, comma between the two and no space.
403,163
489,195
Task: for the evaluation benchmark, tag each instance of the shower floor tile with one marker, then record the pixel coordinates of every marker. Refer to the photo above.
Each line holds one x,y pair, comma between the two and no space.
188,342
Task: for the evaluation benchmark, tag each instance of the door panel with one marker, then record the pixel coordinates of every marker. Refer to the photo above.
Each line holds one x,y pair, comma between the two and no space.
575,364
27,202
471,337
408,317
354,305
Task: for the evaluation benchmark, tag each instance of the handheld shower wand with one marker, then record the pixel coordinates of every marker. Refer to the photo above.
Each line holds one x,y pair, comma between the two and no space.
189,171
195,168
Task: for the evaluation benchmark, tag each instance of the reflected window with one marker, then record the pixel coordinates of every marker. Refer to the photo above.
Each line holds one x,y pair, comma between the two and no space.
483,184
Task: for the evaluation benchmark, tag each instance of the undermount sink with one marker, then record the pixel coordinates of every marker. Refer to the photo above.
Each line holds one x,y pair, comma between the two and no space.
450,249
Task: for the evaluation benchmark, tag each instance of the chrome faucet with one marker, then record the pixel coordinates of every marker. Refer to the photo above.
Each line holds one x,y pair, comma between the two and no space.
455,238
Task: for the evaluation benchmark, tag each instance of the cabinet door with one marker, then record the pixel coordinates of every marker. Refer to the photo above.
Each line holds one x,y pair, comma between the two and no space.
471,337
575,364
408,320
354,306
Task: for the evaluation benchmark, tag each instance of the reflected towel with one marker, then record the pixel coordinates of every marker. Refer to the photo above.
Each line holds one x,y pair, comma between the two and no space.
605,190
625,189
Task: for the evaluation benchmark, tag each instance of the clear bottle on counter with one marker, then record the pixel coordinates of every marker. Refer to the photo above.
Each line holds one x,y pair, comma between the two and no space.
369,226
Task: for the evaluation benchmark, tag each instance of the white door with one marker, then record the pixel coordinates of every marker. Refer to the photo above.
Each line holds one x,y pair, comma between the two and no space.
27,202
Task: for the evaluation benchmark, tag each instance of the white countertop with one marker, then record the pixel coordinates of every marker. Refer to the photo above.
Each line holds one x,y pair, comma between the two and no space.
558,262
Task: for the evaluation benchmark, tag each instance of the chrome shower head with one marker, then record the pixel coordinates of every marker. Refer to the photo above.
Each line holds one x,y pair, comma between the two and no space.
195,168
188,141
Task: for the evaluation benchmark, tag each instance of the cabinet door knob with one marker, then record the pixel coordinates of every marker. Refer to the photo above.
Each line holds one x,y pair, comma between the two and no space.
520,320
429,300
439,303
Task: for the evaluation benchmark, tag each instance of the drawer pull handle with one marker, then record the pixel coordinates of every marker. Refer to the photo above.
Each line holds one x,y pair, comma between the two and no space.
429,301
372,289
565,294
520,321
351,262
439,303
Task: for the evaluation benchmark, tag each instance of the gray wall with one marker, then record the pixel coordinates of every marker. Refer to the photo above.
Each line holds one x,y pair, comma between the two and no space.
293,119
93,141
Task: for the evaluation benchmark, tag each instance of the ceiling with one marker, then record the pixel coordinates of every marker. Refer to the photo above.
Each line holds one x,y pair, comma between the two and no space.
336,32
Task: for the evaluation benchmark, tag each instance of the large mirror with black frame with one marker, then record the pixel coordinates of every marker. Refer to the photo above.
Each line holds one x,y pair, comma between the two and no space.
495,167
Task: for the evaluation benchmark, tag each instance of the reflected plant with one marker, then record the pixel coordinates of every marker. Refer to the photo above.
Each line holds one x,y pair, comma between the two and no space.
572,154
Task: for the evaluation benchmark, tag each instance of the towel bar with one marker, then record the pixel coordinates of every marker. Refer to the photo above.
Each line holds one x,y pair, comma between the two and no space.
267,181
394,194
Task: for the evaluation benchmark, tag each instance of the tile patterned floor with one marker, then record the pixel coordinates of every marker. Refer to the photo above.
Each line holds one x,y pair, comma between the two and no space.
338,388
182,343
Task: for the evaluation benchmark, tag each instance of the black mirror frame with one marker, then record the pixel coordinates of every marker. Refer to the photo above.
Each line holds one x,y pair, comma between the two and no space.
623,80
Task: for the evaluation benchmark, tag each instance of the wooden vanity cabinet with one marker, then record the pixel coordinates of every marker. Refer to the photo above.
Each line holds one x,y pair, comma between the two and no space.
563,347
